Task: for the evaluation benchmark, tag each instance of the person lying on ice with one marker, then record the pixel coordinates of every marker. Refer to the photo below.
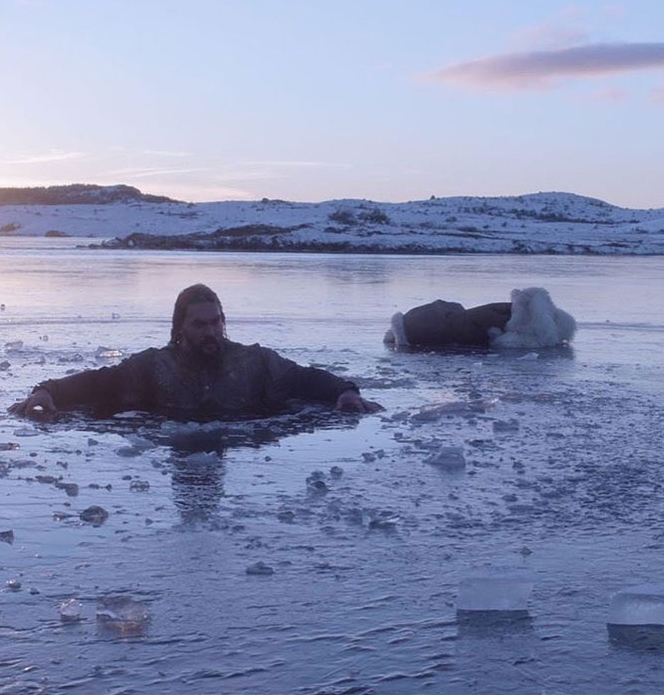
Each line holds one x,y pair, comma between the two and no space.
530,320
200,373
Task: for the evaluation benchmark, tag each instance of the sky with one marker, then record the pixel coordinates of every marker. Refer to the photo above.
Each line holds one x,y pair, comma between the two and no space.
310,100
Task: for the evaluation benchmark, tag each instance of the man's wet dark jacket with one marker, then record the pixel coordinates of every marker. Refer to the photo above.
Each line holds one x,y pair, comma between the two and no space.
243,380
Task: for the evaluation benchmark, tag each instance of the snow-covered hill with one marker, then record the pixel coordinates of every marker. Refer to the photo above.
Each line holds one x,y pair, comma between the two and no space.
535,223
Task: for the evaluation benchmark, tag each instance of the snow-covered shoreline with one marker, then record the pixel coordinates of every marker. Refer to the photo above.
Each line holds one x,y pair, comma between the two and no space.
560,223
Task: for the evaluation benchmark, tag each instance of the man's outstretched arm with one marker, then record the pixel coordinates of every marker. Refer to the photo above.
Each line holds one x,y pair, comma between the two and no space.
291,380
108,389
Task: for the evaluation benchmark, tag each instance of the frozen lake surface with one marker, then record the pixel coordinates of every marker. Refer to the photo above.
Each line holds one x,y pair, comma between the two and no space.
561,491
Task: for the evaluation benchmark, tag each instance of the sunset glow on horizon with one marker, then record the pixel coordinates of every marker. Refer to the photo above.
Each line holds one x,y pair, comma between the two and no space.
302,101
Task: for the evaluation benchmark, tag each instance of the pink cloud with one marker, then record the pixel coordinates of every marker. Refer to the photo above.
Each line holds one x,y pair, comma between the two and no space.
615,10
548,36
536,69
609,94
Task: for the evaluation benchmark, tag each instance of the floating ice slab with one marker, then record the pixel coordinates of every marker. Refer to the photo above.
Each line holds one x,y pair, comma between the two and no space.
433,413
448,458
123,615
202,458
70,611
506,426
108,353
638,605
495,591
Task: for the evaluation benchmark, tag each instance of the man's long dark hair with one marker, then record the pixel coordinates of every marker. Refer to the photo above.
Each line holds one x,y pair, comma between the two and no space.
196,294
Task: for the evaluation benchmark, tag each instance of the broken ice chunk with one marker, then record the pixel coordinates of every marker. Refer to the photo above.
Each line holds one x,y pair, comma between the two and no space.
123,615
448,458
260,568
529,357
495,591
70,611
636,617
107,353
26,432
510,425
94,515
433,413
638,605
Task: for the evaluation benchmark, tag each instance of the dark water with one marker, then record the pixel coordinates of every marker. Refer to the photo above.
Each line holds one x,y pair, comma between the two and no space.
562,480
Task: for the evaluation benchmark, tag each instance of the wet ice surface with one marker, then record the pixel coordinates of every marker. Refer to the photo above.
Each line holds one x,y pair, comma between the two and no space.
326,553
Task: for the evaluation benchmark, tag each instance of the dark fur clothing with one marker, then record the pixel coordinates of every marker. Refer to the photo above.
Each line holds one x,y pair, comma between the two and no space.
448,323
243,380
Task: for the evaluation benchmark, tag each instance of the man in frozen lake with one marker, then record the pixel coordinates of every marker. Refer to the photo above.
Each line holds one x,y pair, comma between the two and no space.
200,374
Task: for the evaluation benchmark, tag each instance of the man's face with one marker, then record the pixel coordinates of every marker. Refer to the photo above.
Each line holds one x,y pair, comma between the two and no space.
203,329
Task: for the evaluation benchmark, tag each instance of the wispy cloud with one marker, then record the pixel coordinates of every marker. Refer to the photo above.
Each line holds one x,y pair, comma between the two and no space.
50,156
202,192
269,170
144,172
296,164
609,94
167,153
536,69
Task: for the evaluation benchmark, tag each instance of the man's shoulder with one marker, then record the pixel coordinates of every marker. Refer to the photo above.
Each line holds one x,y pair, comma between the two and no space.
257,355
150,352
255,350
150,355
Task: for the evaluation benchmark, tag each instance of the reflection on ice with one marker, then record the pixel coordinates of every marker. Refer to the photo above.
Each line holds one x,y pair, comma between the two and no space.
494,624
197,481
218,435
637,637
548,354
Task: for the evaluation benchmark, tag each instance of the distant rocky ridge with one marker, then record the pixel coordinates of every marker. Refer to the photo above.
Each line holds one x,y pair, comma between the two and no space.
77,194
540,223
535,223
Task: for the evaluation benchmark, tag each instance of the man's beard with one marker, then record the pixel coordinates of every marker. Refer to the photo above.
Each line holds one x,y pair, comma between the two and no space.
209,350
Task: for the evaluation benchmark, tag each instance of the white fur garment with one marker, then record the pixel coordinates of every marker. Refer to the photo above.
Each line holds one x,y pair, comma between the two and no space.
536,322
